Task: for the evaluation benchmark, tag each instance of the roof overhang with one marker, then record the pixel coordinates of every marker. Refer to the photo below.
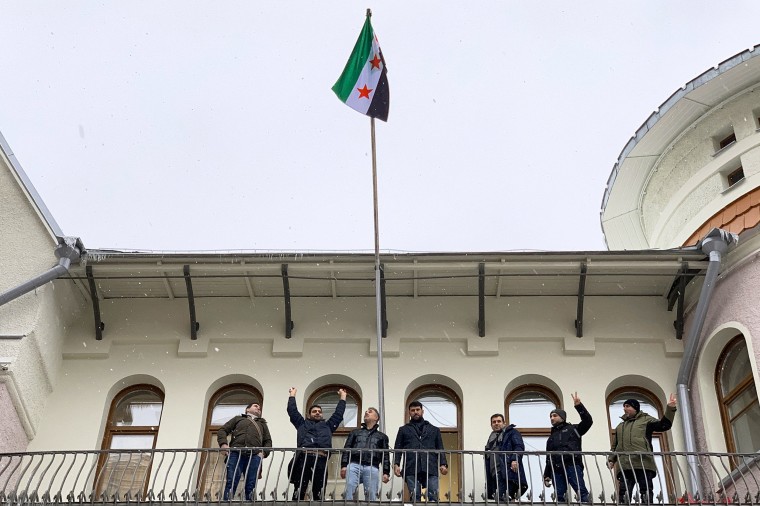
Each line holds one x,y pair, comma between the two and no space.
148,275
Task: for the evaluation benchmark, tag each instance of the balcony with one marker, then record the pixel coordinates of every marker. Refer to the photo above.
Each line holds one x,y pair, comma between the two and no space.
198,476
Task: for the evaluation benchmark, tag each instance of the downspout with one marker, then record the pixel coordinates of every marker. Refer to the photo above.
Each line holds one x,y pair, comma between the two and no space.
68,251
714,244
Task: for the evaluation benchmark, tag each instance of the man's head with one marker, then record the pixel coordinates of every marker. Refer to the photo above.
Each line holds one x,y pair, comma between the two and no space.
315,412
415,410
497,422
631,407
254,409
371,416
557,416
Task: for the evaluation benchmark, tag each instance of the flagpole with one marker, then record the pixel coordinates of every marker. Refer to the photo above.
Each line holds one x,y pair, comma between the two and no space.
378,300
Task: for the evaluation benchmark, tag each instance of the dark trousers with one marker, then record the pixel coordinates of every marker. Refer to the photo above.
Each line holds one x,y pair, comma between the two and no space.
572,474
498,487
629,478
308,467
239,463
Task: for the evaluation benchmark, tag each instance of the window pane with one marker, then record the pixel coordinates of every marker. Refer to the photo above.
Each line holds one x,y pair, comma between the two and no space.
329,401
746,430
213,467
616,407
534,464
440,410
141,408
741,401
231,404
530,409
735,367
659,484
124,473
132,441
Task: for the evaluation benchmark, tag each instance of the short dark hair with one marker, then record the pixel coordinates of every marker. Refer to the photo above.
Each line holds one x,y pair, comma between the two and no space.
497,415
251,404
375,410
315,406
415,404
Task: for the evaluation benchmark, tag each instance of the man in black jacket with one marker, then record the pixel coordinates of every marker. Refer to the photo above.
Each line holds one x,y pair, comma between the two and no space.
312,434
361,465
420,467
248,430
566,437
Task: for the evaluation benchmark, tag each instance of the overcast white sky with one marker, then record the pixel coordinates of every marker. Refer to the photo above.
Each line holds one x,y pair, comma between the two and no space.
182,125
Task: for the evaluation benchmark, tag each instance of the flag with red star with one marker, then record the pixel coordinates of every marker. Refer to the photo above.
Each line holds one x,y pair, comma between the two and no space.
363,85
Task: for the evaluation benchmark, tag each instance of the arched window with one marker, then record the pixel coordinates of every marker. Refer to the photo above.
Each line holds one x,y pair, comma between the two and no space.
226,403
528,407
737,396
133,421
650,404
328,398
443,408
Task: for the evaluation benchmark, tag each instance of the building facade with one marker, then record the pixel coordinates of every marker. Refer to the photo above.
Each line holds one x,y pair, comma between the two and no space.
147,350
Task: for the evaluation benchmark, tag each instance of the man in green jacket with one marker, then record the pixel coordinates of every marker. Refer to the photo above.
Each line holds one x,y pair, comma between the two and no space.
633,438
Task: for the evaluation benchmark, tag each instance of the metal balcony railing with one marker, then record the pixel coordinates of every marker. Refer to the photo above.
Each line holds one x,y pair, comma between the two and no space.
200,475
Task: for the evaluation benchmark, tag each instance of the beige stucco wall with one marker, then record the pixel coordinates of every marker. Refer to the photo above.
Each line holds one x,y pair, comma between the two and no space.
628,341
687,184
32,326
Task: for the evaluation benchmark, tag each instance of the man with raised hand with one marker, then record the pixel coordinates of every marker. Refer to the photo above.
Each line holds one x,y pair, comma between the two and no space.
566,437
312,434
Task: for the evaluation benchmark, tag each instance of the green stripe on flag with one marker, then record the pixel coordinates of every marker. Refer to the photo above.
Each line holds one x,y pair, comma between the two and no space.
356,62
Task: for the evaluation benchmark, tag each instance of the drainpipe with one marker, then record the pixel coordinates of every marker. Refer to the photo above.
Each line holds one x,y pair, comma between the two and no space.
68,250
714,244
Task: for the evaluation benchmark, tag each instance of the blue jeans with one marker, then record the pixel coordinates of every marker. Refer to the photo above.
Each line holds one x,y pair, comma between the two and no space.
415,484
239,462
369,476
572,474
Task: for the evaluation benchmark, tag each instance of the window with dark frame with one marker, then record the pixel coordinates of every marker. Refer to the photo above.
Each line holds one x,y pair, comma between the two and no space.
227,402
133,422
737,398
727,141
528,407
735,176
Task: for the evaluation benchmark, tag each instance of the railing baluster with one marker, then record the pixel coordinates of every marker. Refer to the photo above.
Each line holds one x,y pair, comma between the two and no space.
189,475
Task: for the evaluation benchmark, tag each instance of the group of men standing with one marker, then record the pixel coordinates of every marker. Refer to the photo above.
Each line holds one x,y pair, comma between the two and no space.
367,461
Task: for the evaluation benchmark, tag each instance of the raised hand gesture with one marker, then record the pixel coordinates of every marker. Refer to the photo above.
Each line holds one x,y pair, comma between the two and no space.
576,399
672,401
292,391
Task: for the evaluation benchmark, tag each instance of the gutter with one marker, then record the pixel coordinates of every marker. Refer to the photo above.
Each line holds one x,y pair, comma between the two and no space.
714,244
68,251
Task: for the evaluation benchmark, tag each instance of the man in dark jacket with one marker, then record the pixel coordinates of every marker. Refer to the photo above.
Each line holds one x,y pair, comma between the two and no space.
512,442
632,447
566,437
248,430
312,434
496,465
361,465
421,466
